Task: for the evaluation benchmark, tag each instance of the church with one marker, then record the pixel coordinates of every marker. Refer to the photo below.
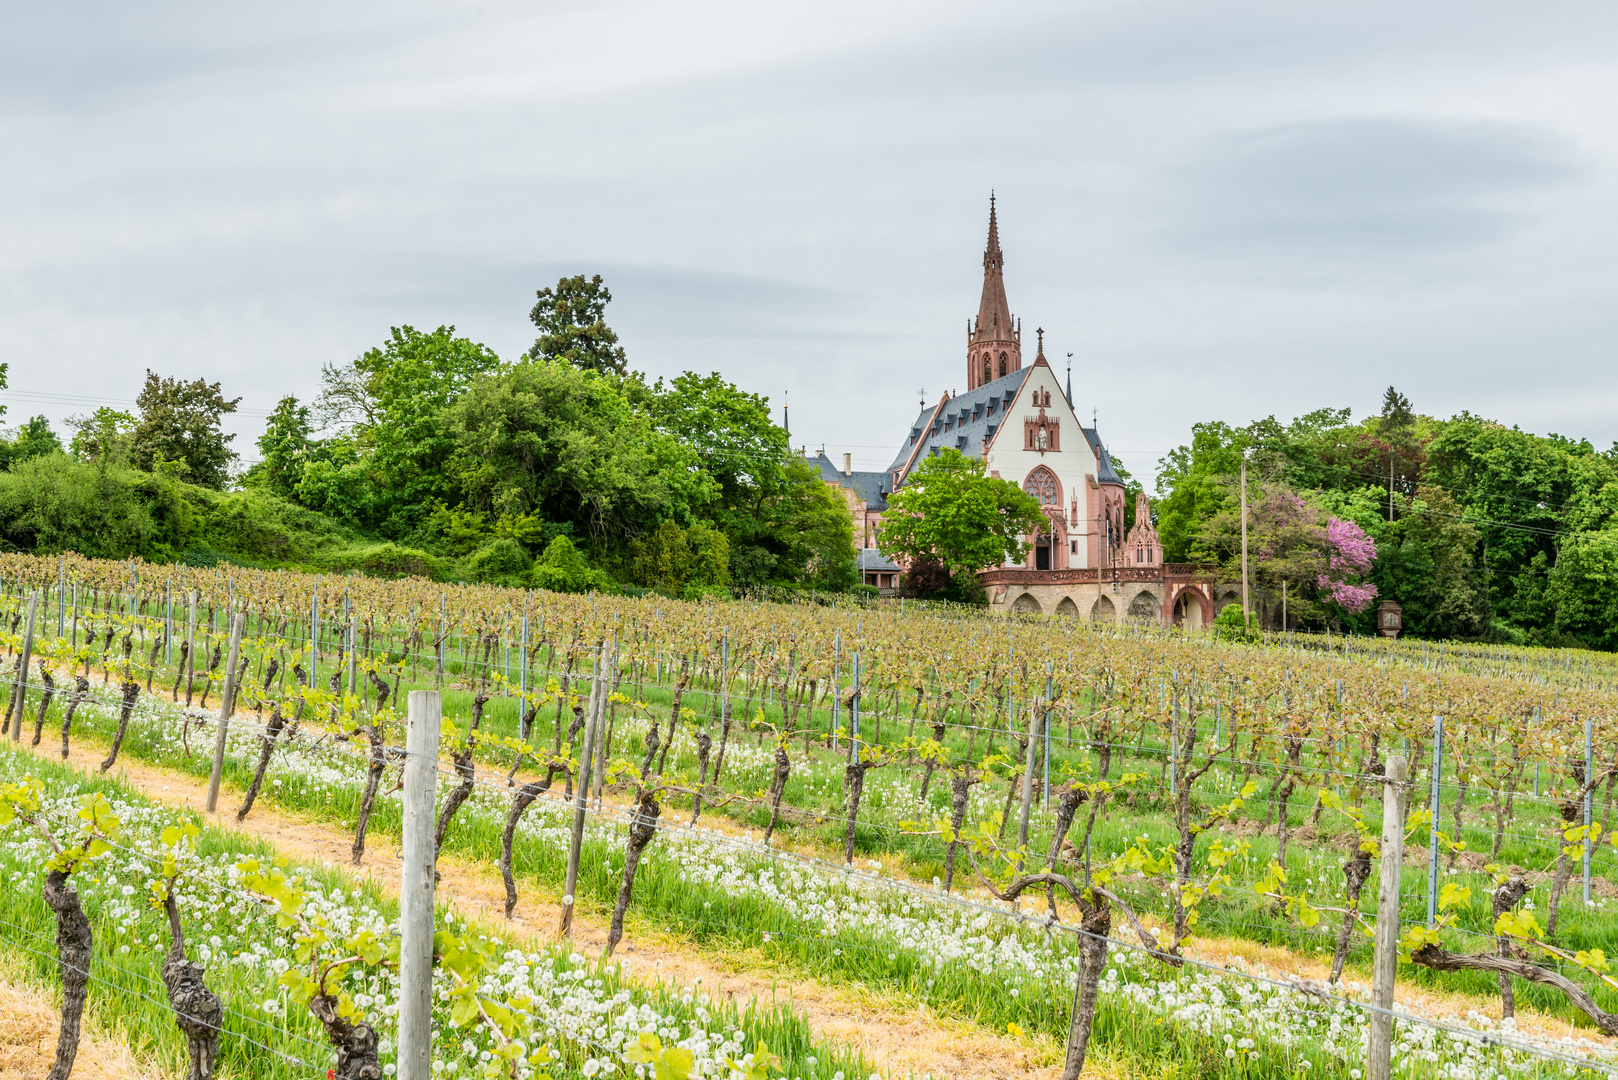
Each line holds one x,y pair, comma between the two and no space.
1019,419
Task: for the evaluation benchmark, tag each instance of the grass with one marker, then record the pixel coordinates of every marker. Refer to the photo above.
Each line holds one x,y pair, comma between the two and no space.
128,1002
677,905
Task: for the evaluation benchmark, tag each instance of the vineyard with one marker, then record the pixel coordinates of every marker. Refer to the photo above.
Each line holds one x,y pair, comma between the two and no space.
1122,849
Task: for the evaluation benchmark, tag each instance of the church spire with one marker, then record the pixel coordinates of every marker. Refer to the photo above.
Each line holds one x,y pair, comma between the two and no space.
994,347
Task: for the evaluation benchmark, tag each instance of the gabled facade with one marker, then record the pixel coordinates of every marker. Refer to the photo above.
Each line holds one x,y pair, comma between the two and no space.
1021,422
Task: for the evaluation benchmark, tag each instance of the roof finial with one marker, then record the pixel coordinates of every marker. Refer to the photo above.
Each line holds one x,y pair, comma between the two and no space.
1040,354
1070,380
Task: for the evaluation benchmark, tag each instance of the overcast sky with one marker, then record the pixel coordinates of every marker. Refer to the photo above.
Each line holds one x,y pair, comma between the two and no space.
1223,210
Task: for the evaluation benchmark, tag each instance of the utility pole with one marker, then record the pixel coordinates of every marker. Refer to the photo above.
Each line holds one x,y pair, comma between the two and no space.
424,716
1247,607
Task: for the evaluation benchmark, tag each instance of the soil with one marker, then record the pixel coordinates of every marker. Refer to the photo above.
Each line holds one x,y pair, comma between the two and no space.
28,1021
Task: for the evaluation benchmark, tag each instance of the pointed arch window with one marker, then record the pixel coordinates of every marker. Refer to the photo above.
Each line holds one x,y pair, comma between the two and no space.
1043,485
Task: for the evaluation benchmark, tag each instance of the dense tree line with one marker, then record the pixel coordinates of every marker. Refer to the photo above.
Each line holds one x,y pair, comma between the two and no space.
431,454
1480,531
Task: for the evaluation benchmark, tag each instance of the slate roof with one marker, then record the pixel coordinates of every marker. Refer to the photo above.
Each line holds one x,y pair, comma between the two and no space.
963,422
1105,474
873,561
870,486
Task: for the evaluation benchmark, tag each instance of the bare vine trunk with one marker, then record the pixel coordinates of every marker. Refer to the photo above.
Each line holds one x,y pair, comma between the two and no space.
198,1012
466,771
373,781
854,782
356,1044
1439,959
1355,872
704,747
778,787
131,692
520,802
81,690
44,702
272,731
642,827
1506,897
74,945
960,785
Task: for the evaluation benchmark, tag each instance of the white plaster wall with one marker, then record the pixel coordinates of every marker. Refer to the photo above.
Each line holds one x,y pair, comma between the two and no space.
1014,462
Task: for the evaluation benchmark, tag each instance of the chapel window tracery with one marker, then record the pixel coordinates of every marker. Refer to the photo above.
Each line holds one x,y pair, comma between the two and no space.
1042,485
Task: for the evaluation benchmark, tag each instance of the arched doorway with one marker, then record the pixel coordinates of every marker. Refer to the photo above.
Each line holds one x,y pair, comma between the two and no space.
1103,610
1068,607
1026,605
1188,610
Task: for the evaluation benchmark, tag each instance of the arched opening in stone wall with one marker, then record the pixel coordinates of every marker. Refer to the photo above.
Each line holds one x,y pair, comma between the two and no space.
1145,606
1188,610
1068,607
1026,605
1103,610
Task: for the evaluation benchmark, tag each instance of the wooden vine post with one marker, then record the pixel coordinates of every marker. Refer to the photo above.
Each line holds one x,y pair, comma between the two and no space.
1385,961
19,692
227,705
424,716
581,789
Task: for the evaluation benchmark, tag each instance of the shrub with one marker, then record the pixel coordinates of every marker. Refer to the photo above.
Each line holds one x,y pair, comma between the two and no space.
388,560
503,562
53,503
1233,627
671,557
563,569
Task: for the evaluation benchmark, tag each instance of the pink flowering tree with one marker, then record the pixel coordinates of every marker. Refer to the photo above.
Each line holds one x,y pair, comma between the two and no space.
1350,554
1315,561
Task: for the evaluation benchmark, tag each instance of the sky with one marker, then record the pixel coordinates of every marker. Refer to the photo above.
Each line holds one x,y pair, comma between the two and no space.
1222,210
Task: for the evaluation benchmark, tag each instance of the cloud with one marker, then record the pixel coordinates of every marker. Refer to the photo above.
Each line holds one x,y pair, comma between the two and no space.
1347,188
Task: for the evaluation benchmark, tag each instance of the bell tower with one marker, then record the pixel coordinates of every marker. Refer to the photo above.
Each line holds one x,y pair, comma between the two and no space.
993,340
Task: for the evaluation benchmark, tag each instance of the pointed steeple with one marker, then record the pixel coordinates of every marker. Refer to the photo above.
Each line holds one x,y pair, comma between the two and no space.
993,346
994,312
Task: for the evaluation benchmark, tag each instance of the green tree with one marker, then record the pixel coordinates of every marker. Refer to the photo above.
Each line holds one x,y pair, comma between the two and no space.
802,535
1191,484
572,326
180,421
1582,589
542,436
284,449
34,439
387,467
103,435
1426,560
739,445
54,503
950,511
